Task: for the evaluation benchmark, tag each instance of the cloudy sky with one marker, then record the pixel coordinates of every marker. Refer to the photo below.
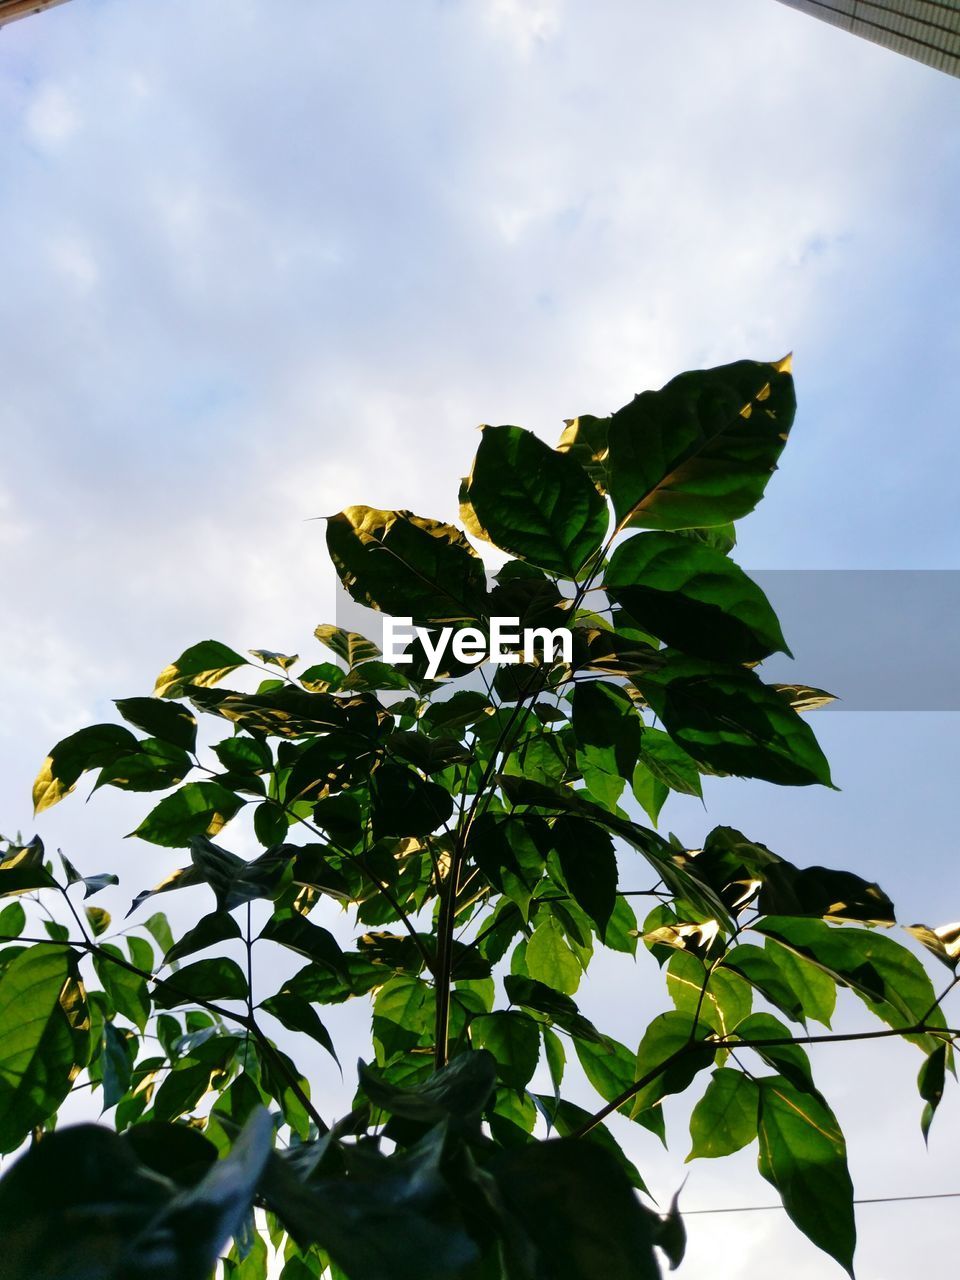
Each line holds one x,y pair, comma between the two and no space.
265,258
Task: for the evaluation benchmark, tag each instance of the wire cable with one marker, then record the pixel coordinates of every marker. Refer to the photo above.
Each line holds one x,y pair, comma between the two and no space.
766,1208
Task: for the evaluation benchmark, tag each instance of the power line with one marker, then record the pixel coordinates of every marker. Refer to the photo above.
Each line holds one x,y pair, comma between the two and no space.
765,1208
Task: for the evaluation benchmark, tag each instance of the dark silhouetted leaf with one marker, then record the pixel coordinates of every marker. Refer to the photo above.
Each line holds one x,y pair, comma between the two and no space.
90,748
407,566
215,979
404,804
165,720
578,1210
693,598
728,720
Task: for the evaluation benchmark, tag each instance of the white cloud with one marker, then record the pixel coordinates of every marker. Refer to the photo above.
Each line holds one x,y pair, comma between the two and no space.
525,22
52,117
264,267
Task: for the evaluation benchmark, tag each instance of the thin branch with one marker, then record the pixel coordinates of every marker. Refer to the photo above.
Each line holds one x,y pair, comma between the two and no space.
768,1043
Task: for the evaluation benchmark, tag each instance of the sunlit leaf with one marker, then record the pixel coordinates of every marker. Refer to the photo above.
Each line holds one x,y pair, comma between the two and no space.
90,748
44,1038
407,565
203,664
534,502
699,452
725,1118
803,1155
197,809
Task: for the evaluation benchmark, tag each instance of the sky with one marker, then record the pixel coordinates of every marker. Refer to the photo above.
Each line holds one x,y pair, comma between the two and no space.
262,260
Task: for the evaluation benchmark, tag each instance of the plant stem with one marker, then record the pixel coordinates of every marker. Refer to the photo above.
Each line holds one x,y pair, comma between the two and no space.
768,1043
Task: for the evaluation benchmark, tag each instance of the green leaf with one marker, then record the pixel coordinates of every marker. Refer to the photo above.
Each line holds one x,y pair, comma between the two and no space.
887,977
13,920
214,928
550,959
197,809
273,659
244,755
803,1155
611,1069
758,967
297,1015
202,1218
459,1091
173,1151
607,730
693,598
126,990
816,990
567,1119
165,720
215,979
407,566
234,881
57,1222
555,1056
943,942
789,1059
293,930
661,855
930,1082
98,920
116,1063
559,1008
836,896
727,999
668,1050
589,865
22,869
455,714
373,675
585,440
283,712
534,502
728,720
270,824
404,804
321,677
352,647
669,763
44,1038
90,748
155,766
203,664
91,884
699,452
725,1118
159,929
397,1221
514,1040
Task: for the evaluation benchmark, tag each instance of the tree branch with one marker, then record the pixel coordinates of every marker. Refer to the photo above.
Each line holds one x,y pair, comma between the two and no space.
732,1043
